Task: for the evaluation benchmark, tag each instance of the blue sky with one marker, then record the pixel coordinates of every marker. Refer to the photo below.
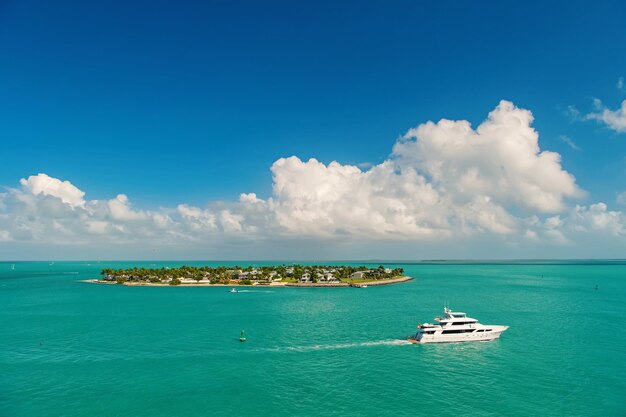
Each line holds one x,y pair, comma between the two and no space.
191,103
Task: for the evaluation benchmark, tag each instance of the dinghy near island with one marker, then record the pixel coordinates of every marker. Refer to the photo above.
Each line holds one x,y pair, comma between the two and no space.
455,326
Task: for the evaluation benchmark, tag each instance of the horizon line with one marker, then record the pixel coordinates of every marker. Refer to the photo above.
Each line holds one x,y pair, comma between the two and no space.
323,260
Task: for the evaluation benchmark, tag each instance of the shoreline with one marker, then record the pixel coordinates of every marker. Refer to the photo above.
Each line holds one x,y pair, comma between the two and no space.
393,281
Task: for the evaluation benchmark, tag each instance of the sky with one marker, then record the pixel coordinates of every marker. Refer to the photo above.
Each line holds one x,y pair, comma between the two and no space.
312,130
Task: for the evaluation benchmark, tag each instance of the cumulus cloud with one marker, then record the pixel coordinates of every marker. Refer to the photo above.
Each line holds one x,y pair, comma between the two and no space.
312,198
613,119
597,217
43,184
443,180
501,159
61,215
197,219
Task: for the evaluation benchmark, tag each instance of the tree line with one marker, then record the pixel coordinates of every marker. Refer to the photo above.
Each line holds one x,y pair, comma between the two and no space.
244,275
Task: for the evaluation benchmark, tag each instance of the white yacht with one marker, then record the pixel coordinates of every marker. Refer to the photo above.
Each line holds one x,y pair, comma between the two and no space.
455,326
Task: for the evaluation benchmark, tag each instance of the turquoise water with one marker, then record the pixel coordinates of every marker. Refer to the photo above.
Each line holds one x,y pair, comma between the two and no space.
74,349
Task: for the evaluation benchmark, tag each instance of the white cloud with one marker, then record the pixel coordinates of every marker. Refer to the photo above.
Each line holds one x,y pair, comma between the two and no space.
573,113
597,217
231,222
578,225
444,181
620,84
621,198
550,230
97,227
196,218
5,236
311,198
119,209
43,184
613,119
501,159
569,142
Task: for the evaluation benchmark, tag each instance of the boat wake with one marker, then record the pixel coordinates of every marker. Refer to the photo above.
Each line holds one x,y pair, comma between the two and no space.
312,348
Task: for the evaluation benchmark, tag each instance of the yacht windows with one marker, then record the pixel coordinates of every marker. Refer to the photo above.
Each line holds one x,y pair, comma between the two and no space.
458,331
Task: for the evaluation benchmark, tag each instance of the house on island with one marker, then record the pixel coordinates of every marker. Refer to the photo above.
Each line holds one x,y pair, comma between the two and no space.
358,275
326,276
274,276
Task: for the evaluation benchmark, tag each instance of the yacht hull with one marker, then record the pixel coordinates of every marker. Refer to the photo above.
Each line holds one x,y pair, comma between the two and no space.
485,336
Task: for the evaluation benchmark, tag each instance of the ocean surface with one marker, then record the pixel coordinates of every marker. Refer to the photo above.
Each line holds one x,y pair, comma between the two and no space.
69,348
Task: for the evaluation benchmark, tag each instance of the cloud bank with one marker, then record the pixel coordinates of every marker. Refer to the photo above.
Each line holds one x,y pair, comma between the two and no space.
442,182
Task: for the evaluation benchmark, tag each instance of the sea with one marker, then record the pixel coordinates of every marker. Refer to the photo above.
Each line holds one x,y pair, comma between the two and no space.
69,348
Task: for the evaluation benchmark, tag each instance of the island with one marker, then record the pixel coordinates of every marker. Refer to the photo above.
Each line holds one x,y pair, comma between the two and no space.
281,275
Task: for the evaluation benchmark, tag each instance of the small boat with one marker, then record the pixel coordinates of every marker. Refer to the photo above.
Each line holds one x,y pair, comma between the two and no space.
364,286
242,336
233,290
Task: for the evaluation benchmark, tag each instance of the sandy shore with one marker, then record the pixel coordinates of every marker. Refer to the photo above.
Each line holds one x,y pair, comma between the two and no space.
273,284
389,281
356,284
183,284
